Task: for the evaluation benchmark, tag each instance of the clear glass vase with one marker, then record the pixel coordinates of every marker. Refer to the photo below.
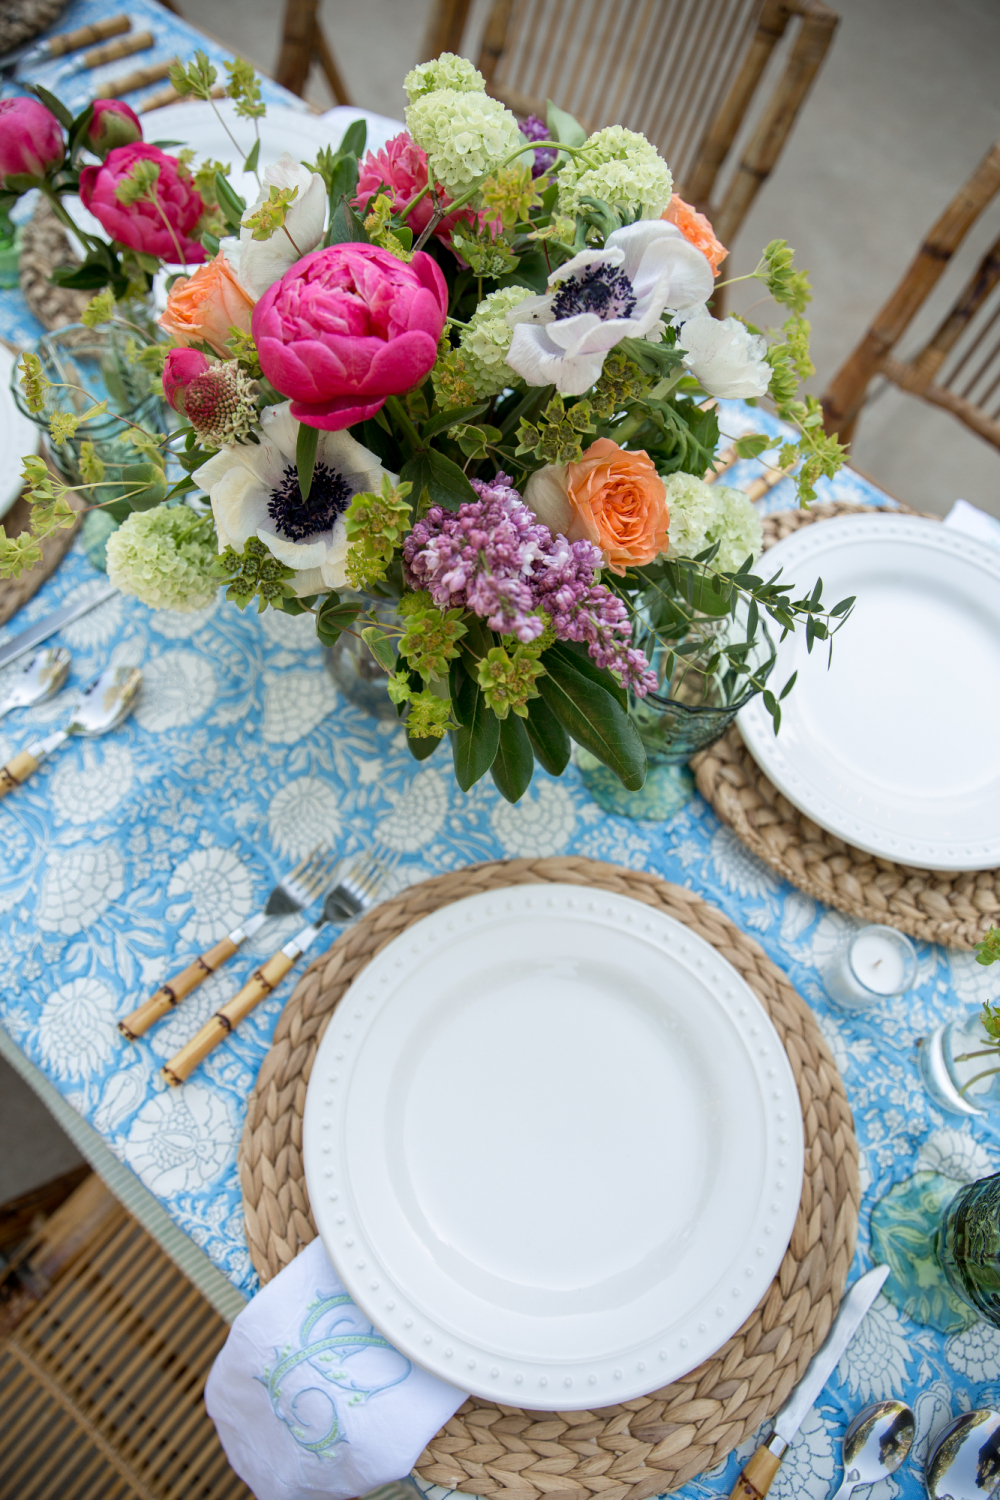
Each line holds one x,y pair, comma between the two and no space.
98,363
352,666
696,702
960,1069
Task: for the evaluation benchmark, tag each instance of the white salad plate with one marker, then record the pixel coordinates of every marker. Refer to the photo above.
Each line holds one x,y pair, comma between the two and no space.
18,435
553,1146
895,748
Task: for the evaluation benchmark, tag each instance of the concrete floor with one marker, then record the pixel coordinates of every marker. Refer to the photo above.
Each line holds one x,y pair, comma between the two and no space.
906,105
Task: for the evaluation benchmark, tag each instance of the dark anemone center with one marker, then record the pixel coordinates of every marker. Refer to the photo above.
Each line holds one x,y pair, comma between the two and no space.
604,290
297,518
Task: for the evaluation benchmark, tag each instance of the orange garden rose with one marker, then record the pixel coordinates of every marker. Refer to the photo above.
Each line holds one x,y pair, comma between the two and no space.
202,308
612,497
696,229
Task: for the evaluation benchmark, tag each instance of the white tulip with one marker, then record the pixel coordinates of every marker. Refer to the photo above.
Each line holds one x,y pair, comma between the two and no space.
259,263
725,357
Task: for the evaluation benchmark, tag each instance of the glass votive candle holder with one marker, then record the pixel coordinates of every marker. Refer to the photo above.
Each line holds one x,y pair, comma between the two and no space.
871,966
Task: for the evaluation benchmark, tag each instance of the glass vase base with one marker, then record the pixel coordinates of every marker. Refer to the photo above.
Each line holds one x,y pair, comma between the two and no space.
904,1231
667,790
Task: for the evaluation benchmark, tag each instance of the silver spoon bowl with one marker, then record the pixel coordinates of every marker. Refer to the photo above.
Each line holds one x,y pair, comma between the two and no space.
39,680
875,1444
964,1461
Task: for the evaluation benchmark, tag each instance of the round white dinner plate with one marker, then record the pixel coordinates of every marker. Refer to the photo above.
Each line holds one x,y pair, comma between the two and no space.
553,1146
895,748
195,124
18,435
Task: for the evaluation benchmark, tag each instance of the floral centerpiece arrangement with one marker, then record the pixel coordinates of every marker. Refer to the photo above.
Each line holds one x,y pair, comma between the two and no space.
473,373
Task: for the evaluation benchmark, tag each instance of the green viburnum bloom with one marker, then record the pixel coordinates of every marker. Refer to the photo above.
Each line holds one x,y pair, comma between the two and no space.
508,680
481,357
449,71
167,557
465,135
431,639
621,167
703,514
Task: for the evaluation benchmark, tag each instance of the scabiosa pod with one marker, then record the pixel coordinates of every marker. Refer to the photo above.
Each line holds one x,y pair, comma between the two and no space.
219,400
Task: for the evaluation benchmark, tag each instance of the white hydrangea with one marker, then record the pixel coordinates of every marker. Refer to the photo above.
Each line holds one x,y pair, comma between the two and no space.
622,168
702,514
449,71
485,340
465,135
166,557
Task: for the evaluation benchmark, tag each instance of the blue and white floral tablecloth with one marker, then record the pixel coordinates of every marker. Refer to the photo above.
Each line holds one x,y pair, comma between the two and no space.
124,857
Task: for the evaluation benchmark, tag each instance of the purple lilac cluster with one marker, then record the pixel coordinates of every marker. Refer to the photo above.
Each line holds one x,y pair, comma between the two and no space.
493,557
535,129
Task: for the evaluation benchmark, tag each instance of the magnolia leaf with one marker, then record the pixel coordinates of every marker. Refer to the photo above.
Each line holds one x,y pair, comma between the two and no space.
380,646
549,739
514,762
475,743
595,720
149,483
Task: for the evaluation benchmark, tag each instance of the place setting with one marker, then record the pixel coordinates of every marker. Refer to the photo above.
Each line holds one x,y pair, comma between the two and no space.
524,946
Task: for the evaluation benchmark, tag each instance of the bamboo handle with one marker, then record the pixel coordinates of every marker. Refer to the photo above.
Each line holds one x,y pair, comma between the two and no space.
169,95
131,81
16,771
257,988
111,51
757,1476
168,995
85,36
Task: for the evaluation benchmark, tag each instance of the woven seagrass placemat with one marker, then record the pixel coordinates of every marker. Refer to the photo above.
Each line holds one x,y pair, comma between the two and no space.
642,1447
933,905
20,20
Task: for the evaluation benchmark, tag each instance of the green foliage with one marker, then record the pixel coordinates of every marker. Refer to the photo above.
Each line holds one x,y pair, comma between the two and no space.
195,79
510,194
244,351
375,526
244,87
444,481
595,719
475,742
272,213
306,445
255,572
377,228
508,679
487,257
514,762
777,271
555,438
548,738
988,951
34,382
430,640
140,182
333,617
620,381
100,309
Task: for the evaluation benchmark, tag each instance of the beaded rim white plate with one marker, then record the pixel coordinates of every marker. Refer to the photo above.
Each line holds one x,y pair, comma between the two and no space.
894,748
553,1146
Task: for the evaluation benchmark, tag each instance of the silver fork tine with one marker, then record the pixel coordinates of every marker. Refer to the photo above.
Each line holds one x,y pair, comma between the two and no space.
318,876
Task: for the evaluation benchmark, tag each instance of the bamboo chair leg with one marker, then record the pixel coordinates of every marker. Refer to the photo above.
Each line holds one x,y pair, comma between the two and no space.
445,26
297,44
328,63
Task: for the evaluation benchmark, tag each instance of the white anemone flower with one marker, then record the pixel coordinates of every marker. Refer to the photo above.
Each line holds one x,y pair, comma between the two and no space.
601,297
257,264
254,490
725,357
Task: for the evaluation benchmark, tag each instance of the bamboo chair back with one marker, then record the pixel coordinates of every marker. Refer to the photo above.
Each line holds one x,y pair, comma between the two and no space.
686,73
958,368
303,43
101,1379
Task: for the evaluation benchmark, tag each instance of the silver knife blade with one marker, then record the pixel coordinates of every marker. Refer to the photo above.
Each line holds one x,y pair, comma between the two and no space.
823,1363
42,629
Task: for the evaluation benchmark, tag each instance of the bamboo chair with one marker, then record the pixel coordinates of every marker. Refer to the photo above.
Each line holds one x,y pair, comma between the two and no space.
686,73
302,43
104,1352
958,368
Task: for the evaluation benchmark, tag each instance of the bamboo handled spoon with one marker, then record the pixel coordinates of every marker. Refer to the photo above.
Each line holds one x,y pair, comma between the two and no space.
39,680
103,704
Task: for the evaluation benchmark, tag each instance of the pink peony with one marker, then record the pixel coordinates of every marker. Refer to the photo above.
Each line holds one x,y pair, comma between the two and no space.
112,124
31,138
402,167
181,367
157,230
348,326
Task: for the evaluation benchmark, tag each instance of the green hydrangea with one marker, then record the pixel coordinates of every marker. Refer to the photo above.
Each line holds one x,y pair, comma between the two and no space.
167,557
466,135
449,71
702,514
623,169
486,339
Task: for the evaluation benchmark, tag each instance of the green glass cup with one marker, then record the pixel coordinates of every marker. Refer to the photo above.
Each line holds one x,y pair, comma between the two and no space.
968,1246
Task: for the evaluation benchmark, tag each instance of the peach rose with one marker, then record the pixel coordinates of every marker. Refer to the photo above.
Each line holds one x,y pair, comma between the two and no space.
612,497
696,229
202,308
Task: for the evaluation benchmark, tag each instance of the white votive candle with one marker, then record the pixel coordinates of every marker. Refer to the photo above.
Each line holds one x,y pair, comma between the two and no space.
873,964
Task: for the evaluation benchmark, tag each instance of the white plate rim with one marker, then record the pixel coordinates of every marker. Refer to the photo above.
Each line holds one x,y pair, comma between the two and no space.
771,755
435,1348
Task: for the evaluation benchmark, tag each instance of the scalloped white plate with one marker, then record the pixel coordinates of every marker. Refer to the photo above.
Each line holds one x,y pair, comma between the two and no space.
895,749
553,1146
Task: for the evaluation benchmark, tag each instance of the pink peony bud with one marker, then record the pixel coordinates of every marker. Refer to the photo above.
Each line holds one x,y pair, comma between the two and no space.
348,326
158,228
180,368
113,124
31,138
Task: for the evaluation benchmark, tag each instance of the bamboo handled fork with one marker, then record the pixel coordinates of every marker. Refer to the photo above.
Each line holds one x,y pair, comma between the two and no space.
294,892
351,897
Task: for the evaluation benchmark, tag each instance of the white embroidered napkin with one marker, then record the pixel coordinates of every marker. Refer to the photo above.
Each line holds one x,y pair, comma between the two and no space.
974,522
310,1402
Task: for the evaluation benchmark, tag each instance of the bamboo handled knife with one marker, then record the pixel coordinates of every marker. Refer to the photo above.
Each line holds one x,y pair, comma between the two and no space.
759,1471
